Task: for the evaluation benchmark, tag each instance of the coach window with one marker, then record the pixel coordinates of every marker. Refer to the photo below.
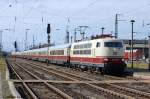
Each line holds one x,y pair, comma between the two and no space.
88,51
89,45
98,44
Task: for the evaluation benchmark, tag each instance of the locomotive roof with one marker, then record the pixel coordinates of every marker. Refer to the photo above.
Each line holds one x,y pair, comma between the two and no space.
102,39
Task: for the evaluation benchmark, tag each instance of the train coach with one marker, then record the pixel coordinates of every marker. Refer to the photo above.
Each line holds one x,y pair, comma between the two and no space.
55,54
104,55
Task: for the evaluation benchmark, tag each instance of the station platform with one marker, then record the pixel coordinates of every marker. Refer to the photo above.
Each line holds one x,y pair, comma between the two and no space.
6,87
0,86
142,73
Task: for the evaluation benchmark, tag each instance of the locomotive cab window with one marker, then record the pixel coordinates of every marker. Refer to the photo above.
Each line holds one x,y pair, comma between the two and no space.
113,44
98,44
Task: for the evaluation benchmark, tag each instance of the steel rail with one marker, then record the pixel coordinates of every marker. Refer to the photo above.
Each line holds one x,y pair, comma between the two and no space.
24,84
119,87
120,78
131,90
113,77
93,82
47,84
87,78
91,85
61,72
123,96
128,79
50,71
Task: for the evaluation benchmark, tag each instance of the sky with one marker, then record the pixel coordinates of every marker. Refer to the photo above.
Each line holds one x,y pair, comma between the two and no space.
16,16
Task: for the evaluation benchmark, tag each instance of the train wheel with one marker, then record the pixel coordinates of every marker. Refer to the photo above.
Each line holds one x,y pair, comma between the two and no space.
73,66
76,67
92,69
65,65
47,61
103,71
84,68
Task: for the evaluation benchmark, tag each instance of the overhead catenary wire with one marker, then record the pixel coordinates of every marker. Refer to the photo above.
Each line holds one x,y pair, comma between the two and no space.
32,7
85,8
92,3
4,9
52,15
134,10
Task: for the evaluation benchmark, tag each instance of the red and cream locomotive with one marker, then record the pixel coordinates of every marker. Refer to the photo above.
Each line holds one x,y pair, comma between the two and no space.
104,55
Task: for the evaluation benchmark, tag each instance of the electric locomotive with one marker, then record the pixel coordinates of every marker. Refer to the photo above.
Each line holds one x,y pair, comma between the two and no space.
104,55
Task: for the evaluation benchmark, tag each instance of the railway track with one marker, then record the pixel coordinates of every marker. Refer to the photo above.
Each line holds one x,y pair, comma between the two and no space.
57,72
32,91
84,75
68,71
144,87
112,90
102,91
43,73
96,75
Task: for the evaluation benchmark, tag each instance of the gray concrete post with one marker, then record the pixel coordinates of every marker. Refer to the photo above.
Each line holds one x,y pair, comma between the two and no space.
149,52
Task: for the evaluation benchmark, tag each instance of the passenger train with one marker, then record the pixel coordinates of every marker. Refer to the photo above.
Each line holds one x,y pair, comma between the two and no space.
104,55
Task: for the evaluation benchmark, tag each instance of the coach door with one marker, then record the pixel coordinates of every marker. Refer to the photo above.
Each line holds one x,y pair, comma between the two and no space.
97,49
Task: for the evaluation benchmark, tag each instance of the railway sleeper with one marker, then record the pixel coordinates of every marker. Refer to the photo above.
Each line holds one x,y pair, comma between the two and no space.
122,96
132,90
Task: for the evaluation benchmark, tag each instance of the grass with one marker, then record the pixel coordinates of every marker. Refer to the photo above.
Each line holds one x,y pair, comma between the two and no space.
5,88
138,65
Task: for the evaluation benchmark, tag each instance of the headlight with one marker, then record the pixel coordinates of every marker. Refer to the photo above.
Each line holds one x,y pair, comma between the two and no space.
123,59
